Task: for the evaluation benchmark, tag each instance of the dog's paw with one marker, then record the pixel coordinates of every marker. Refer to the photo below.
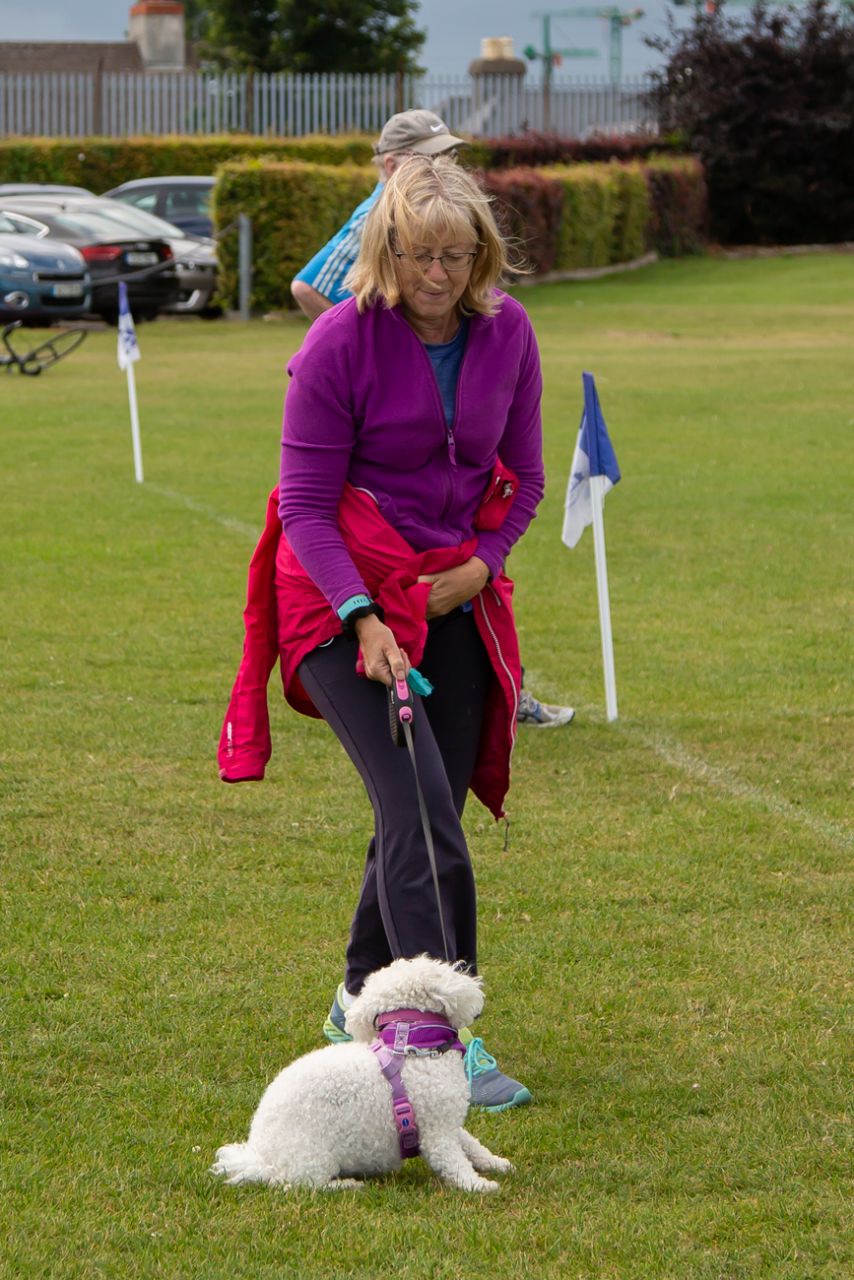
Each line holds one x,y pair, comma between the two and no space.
484,1185
473,1183
501,1165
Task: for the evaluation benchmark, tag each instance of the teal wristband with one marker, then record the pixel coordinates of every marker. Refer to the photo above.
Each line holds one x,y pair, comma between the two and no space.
355,602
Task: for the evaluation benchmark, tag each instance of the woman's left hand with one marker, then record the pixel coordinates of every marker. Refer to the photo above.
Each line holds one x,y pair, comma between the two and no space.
454,587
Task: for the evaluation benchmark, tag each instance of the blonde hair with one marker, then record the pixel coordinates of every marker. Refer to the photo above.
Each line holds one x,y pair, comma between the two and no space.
424,199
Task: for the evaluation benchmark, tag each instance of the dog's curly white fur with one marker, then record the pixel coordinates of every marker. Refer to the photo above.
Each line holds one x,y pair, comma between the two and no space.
327,1118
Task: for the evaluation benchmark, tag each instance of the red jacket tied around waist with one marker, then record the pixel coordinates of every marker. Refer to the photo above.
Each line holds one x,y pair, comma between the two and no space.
287,616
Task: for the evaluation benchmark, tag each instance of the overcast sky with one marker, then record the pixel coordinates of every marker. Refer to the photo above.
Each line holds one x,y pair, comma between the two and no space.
454,29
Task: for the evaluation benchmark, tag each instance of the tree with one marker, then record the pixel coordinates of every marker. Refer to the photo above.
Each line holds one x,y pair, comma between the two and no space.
197,16
767,103
236,34
352,35
305,35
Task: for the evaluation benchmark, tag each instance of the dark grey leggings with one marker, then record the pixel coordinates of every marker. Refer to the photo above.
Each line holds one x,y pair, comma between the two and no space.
396,913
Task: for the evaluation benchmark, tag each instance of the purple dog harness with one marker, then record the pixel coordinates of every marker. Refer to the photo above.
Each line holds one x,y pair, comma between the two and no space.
409,1033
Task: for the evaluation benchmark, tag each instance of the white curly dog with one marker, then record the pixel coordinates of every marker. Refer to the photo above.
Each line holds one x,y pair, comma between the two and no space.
336,1114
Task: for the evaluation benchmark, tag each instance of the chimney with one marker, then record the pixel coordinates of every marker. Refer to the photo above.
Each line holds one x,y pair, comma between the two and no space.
157,29
497,58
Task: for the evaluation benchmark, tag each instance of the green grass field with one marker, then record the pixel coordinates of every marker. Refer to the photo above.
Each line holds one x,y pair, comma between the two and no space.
665,943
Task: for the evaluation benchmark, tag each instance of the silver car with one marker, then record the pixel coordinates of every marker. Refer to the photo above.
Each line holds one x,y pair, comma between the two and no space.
185,201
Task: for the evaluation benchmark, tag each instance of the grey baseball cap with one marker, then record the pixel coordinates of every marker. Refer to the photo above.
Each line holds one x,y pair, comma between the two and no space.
420,131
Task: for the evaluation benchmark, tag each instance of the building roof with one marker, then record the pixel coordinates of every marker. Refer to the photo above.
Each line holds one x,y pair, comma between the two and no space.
72,55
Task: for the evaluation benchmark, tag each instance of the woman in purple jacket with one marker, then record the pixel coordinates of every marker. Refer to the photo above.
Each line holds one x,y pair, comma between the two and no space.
411,390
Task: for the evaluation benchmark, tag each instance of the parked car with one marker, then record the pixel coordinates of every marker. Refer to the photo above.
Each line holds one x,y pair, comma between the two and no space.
40,282
185,202
110,249
40,188
195,258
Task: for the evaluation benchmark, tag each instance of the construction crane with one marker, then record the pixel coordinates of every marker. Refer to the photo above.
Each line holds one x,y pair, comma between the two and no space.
616,18
549,55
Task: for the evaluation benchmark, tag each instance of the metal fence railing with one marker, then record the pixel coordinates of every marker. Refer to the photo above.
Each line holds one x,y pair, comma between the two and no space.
120,104
492,106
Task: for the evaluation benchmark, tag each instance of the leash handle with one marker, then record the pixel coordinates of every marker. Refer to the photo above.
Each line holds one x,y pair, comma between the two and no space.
401,710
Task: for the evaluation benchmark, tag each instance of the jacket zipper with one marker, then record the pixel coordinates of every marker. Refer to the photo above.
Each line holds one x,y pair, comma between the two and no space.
507,671
450,439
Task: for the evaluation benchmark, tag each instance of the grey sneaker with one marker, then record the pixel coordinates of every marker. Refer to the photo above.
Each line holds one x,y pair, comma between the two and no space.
489,1088
334,1028
542,715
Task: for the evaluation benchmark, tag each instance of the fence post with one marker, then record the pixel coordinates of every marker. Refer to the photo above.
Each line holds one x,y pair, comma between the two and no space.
248,124
98,101
244,263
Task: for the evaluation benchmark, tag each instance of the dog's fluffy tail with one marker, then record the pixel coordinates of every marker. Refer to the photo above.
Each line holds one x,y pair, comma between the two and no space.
238,1162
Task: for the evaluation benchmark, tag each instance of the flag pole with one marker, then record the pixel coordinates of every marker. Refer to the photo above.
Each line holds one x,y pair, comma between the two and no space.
597,497
593,473
127,352
134,424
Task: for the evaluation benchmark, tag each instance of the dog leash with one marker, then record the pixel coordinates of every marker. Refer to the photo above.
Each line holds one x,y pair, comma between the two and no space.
401,716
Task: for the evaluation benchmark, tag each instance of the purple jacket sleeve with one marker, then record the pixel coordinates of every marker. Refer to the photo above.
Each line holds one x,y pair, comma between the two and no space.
521,449
317,440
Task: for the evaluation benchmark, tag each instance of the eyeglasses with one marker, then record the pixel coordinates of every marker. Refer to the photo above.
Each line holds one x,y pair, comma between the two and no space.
450,261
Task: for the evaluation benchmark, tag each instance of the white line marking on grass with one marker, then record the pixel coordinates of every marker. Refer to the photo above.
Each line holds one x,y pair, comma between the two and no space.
673,753
670,750
227,522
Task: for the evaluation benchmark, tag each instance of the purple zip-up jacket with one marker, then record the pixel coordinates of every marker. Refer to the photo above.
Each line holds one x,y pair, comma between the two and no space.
363,405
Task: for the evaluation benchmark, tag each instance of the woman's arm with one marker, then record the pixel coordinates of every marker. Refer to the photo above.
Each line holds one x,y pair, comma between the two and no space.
317,441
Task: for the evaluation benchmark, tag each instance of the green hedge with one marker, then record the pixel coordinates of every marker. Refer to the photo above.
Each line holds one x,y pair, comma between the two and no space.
631,228
298,191
295,208
560,218
591,201
102,163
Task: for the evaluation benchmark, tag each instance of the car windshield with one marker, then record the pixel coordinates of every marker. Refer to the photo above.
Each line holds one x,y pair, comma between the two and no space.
6,224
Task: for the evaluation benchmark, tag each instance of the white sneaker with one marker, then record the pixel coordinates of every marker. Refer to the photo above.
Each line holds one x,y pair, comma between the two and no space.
541,714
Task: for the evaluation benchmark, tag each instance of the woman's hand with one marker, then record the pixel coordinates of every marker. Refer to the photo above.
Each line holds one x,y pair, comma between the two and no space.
454,587
380,653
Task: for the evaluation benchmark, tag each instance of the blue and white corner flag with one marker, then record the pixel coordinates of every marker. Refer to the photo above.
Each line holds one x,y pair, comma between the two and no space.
594,472
128,346
594,456
128,354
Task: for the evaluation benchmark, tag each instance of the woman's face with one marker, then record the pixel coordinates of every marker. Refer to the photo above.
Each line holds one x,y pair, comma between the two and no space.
431,290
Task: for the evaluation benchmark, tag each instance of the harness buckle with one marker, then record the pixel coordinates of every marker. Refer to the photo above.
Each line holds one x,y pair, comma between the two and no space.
407,1130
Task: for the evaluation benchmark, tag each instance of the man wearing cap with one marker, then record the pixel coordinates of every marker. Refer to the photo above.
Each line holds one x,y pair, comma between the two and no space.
320,284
